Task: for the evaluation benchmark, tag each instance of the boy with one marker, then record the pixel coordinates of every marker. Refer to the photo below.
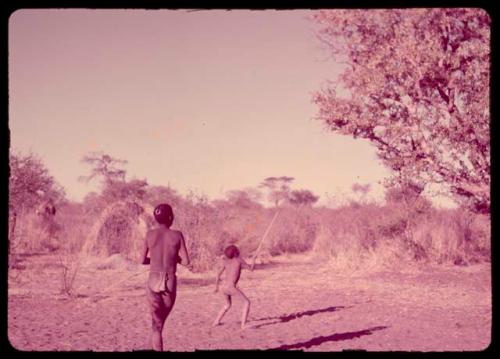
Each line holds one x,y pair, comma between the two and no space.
167,248
232,263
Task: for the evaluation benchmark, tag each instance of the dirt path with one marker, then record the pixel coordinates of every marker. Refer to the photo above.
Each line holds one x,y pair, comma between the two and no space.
294,306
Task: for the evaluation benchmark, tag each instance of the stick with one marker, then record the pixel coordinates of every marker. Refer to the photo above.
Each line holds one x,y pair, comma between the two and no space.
262,239
120,282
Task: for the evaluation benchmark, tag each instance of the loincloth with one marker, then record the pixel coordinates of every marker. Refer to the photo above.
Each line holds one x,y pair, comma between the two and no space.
157,281
161,289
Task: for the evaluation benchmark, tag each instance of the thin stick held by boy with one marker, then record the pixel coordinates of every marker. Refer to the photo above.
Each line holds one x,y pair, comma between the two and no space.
232,264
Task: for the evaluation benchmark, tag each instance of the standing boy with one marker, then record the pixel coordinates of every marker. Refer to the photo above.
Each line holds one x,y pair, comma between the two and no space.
167,248
232,264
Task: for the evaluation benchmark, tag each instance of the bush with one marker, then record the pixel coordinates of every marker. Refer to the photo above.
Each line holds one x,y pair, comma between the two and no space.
425,235
356,235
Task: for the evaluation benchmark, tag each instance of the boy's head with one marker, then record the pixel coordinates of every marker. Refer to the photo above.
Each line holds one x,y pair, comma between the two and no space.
231,251
163,214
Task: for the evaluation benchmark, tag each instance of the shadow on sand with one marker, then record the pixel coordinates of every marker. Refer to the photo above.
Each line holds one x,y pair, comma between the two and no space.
330,338
292,316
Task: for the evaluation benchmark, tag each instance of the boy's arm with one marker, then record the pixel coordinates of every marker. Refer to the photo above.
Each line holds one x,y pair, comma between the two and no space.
245,265
183,254
217,278
144,254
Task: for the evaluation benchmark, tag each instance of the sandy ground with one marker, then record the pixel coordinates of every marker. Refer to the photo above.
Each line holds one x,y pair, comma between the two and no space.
295,306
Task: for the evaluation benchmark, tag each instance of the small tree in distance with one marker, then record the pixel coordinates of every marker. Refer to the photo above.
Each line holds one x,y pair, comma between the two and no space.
105,167
302,197
278,188
112,176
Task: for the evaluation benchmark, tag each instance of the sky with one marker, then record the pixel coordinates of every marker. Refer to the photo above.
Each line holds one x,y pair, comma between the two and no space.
203,101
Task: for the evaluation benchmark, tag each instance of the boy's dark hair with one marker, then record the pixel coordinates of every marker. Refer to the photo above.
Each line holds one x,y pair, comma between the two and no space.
163,214
231,251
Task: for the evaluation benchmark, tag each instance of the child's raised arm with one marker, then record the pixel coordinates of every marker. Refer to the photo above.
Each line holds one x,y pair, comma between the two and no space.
245,265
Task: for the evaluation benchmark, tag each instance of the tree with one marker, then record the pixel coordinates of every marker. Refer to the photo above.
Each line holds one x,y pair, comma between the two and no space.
418,81
302,197
105,167
278,188
30,183
30,186
112,176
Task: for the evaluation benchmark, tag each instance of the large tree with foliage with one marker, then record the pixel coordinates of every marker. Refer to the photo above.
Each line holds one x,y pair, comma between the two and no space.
418,89
30,186
30,183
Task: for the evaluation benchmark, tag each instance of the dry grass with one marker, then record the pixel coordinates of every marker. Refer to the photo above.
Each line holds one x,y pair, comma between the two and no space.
69,264
352,236
386,236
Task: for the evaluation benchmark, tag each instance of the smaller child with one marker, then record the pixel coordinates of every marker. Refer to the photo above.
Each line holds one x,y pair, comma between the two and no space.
232,263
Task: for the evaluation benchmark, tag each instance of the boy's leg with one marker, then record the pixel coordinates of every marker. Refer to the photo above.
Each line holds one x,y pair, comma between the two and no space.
158,320
246,307
167,303
161,304
224,310
157,340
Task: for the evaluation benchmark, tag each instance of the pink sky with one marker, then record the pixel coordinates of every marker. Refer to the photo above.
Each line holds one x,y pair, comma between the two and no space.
209,101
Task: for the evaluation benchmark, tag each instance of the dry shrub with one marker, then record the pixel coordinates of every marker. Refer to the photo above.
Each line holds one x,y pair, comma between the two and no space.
350,227
451,236
294,231
470,240
353,237
120,228
69,266
210,227
34,234
200,224
75,226
369,236
480,229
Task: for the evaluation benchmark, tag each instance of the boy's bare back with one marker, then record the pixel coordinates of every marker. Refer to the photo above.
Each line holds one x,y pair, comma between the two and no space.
164,245
232,267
